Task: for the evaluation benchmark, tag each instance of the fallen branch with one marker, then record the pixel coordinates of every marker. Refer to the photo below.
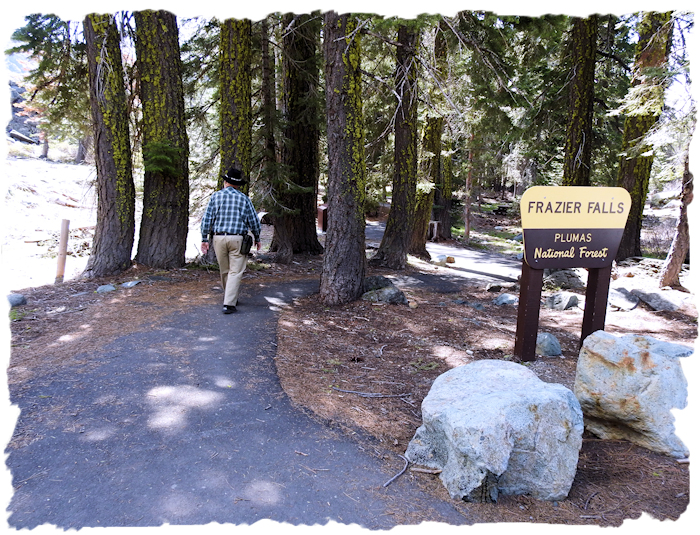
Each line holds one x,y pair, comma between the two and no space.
426,470
397,475
370,394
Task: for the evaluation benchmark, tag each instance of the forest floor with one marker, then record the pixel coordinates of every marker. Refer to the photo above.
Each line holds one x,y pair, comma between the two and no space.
330,358
327,357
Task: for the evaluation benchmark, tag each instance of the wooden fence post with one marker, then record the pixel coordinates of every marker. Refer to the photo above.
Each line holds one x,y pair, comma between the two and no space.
62,251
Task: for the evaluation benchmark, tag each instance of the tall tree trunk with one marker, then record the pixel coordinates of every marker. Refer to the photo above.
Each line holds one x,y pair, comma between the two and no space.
393,250
442,202
579,130
295,221
114,231
84,144
425,193
469,184
428,185
163,232
344,261
635,164
235,88
670,272
268,105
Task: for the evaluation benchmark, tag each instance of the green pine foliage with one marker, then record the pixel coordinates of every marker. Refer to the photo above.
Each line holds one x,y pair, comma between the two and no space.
58,82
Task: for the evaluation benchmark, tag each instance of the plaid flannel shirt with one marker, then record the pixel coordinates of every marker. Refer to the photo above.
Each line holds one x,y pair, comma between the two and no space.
232,212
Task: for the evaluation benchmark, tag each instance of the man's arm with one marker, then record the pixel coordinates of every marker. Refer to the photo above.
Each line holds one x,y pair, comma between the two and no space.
254,223
206,225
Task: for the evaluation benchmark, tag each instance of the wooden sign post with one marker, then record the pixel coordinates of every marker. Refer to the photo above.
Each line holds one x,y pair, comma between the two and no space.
566,227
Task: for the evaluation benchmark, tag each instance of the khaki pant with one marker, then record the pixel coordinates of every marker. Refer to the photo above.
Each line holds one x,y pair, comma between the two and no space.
232,265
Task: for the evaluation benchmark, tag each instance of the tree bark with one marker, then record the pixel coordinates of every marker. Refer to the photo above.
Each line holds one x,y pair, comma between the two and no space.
114,230
267,91
439,172
236,140
579,130
425,193
164,223
295,220
344,261
635,163
670,272
393,250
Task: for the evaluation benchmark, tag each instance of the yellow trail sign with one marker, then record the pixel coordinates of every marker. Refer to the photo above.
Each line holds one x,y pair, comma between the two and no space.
573,226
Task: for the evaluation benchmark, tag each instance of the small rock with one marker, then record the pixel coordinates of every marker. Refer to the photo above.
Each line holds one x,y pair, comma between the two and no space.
450,259
130,284
494,287
655,301
389,294
376,282
105,288
565,279
548,345
623,299
16,300
506,299
561,301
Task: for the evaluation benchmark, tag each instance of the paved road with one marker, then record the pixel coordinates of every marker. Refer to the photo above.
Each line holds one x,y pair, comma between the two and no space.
187,424
469,263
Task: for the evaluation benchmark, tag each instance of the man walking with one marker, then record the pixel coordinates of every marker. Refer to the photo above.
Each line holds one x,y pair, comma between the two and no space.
230,214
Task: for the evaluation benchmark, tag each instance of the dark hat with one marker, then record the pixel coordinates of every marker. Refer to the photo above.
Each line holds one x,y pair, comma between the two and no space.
234,176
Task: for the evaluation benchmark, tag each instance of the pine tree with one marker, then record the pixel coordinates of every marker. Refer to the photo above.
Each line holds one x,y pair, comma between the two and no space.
296,192
235,92
114,231
164,223
579,131
644,110
344,261
393,250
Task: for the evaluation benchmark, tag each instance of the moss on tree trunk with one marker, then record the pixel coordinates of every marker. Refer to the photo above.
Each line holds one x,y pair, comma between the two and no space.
344,262
164,223
114,230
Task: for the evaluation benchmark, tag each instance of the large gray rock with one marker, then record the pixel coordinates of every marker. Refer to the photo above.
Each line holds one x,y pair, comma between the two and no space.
627,387
494,427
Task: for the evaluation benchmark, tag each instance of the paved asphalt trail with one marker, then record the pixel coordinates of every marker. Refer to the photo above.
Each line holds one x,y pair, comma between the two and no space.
187,424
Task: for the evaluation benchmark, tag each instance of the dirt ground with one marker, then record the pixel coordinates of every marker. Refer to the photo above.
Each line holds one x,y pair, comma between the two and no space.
365,368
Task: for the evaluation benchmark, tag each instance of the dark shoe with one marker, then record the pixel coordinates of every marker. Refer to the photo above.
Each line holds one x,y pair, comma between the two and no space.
229,309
